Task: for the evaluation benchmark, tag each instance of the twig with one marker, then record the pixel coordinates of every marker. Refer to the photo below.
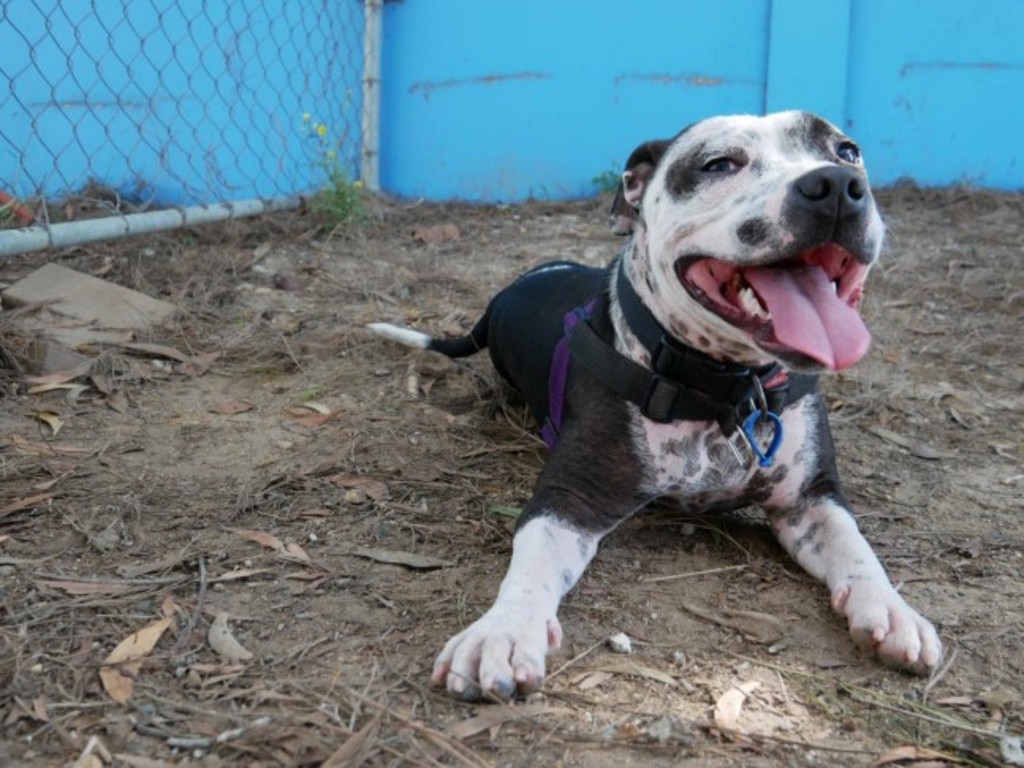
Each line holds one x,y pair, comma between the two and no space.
574,659
938,675
198,610
288,349
93,745
857,695
758,737
205,742
441,740
674,576
113,582
764,618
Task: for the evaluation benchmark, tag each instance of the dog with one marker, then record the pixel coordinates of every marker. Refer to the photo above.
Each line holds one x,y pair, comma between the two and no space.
688,369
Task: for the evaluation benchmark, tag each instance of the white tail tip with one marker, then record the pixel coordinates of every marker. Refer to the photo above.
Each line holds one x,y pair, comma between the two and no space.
406,336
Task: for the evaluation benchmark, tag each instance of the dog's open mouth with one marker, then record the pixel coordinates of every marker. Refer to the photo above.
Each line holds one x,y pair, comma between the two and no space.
805,305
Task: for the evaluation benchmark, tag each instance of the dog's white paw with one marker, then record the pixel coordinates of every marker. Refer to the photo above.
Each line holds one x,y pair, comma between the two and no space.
882,623
501,654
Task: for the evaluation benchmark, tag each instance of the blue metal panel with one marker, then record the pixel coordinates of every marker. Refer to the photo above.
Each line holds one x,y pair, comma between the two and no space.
529,98
807,57
936,90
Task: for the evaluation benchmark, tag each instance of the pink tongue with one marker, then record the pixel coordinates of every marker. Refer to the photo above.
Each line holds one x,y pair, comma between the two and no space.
808,316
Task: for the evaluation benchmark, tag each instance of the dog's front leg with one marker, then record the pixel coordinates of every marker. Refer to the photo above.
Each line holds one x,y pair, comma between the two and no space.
823,537
503,651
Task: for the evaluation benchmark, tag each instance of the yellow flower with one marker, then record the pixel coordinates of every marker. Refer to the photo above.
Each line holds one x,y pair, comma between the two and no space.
357,184
321,129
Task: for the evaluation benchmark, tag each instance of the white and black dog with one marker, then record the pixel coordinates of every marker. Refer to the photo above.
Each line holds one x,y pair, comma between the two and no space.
688,369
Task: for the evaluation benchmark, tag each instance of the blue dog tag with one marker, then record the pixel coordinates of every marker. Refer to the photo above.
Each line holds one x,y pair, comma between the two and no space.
766,457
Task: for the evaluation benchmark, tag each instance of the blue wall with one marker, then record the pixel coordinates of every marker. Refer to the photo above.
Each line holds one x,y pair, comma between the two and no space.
508,99
936,90
496,100
177,100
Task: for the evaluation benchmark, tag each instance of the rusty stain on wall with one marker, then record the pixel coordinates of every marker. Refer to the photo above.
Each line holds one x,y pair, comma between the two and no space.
685,78
989,65
427,87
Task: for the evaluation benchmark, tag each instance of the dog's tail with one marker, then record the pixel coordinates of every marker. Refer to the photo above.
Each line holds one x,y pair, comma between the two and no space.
463,346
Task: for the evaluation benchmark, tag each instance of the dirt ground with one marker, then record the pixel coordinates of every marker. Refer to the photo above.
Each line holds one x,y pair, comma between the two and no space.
346,505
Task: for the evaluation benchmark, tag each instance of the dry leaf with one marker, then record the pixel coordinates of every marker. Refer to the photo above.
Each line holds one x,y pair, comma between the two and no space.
354,750
301,414
27,503
134,570
912,752
917,449
103,384
297,552
231,407
73,390
195,367
85,587
408,559
241,573
223,642
437,233
593,680
262,538
497,715
157,350
312,422
831,662
119,681
48,484
375,489
39,709
998,698
730,705
169,608
117,401
48,449
955,701
50,419
927,452
59,377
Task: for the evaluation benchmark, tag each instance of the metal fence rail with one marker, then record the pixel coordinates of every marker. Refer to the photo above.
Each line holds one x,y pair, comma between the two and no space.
126,107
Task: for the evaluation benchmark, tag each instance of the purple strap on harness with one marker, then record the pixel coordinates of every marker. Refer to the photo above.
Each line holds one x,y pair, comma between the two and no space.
559,375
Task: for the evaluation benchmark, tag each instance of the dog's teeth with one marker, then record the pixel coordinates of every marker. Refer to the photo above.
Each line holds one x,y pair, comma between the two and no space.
750,304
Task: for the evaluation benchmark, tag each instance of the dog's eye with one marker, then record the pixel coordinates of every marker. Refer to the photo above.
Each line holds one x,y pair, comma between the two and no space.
720,165
848,152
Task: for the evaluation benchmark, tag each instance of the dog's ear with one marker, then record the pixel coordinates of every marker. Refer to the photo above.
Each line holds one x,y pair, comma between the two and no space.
639,169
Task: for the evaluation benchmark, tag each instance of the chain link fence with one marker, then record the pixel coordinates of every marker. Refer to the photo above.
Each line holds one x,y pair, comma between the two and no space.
131,106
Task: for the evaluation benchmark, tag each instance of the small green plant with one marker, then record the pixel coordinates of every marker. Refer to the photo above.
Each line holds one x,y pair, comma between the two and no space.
606,181
341,197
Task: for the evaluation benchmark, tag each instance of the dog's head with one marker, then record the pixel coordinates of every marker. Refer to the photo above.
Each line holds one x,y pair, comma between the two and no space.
752,237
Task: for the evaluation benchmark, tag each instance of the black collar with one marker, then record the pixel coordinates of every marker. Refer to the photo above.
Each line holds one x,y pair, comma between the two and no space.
682,382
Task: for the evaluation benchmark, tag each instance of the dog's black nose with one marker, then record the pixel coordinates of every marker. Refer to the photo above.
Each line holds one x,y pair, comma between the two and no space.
832,190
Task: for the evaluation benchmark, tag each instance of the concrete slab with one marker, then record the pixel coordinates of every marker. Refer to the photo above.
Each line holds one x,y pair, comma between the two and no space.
87,299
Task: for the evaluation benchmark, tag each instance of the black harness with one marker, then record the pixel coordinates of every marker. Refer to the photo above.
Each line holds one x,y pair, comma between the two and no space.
682,383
